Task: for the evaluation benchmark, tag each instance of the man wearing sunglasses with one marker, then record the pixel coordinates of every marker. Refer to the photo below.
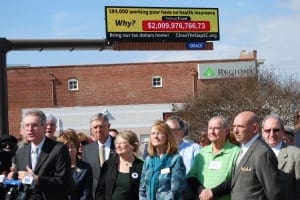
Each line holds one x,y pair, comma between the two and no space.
288,156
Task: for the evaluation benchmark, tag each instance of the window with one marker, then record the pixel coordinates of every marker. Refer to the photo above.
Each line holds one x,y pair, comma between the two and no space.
73,84
156,81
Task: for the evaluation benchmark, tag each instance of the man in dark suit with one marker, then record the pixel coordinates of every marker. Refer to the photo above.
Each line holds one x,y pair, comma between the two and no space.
256,175
288,156
99,127
51,171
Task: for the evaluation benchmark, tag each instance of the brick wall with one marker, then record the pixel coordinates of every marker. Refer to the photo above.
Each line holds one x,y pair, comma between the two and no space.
118,84
113,84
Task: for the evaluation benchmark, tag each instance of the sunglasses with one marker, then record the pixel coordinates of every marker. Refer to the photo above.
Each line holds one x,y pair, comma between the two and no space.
7,145
275,130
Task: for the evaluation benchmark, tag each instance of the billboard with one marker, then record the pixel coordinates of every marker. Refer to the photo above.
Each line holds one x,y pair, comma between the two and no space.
161,24
227,70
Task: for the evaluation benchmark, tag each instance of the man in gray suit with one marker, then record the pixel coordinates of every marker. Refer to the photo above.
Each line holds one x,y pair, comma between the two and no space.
256,175
99,127
288,156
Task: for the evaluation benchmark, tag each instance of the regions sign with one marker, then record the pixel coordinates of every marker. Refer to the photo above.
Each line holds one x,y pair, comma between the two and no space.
161,24
227,70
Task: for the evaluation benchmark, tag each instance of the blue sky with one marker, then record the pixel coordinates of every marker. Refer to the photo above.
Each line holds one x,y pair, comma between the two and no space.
270,26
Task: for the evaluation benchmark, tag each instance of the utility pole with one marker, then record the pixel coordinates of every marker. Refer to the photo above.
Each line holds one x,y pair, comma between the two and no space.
4,48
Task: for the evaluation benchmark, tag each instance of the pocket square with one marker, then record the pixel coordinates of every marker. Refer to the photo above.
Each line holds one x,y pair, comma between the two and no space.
246,169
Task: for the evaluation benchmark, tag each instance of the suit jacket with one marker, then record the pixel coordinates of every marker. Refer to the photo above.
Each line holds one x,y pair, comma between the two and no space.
53,168
289,166
108,177
256,176
91,156
83,181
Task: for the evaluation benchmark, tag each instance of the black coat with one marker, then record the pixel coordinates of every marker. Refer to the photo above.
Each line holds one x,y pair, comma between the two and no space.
108,177
53,168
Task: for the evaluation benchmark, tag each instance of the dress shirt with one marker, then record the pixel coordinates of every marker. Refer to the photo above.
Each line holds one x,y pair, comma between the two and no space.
107,146
39,146
188,150
277,148
245,147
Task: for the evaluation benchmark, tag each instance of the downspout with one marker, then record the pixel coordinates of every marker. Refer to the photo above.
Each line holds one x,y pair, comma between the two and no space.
52,78
194,74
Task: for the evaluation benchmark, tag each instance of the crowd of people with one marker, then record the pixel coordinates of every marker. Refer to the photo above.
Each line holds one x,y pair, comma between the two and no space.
250,159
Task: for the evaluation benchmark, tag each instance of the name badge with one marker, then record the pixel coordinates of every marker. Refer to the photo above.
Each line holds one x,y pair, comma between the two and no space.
215,165
165,170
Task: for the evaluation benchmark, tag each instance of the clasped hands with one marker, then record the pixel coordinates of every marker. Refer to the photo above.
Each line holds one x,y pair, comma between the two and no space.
206,194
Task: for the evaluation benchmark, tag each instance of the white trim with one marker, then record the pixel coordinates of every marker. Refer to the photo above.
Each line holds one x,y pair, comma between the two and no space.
157,77
77,84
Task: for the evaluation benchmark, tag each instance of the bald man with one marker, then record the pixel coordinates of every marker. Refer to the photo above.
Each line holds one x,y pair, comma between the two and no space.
256,175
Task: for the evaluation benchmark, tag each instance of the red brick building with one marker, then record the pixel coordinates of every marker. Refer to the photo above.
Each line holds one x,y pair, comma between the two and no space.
82,86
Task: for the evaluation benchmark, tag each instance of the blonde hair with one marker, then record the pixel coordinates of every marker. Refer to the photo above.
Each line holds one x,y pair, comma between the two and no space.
130,137
171,141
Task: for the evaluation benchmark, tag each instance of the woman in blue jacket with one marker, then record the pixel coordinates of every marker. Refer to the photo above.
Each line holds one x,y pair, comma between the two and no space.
163,174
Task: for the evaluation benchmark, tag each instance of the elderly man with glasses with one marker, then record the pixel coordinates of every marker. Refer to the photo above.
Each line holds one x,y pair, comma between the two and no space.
288,156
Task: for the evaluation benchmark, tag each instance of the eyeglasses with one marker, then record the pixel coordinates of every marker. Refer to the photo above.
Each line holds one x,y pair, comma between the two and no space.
275,130
121,143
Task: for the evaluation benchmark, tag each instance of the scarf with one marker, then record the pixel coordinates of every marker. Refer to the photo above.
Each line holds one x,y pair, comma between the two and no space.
157,164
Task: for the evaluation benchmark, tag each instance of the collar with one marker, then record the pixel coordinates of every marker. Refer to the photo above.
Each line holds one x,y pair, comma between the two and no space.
246,146
225,149
107,142
278,146
276,149
40,145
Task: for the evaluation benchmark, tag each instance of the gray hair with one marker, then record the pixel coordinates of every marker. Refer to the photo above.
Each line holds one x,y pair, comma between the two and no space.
99,116
179,122
182,125
225,123
273,116
51,118
40,114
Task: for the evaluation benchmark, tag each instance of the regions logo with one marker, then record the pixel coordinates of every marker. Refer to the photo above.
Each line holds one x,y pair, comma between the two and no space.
209,72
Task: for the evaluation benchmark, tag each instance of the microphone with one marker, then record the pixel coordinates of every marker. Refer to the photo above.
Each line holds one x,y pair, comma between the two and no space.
13,187
2,188
26,191
2,179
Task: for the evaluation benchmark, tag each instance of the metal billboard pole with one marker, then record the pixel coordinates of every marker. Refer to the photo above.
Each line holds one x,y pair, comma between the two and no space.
40,45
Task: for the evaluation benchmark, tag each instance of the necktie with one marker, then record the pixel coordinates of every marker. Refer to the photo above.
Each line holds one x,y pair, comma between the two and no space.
34,157
238,160
101,154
